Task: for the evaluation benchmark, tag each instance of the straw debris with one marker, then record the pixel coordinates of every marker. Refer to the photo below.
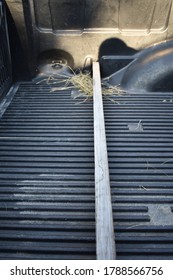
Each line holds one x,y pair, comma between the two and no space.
83,83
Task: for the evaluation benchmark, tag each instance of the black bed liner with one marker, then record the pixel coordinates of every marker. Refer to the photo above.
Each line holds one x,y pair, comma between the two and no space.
47,195
139,135
47,175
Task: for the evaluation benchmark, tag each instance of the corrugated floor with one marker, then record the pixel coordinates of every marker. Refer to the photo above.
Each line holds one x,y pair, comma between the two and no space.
47,175
140,146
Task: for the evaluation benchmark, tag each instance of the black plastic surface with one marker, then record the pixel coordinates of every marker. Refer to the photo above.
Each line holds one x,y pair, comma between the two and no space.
149,70
139,131
46,143
5,61
122,16
80,28
46,176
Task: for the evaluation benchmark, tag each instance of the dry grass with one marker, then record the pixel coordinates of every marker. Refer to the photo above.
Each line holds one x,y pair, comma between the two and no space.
83,83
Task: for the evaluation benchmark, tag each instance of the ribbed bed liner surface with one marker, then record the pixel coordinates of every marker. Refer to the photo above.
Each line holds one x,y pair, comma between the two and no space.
140,146
46,176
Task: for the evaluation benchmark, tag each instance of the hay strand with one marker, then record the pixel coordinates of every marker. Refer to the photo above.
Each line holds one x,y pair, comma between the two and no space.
83,83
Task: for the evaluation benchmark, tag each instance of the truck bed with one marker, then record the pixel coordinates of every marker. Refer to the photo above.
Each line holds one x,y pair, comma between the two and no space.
48,178
47,203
